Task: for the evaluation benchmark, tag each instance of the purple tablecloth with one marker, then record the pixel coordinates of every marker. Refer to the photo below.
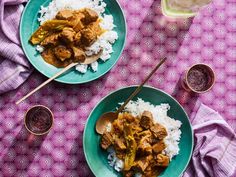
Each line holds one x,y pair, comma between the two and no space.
209,38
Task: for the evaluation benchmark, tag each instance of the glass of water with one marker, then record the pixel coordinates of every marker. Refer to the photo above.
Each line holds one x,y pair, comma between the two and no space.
182,8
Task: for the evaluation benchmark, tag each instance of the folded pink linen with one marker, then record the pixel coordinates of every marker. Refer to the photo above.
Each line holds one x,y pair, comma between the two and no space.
214,154
14,67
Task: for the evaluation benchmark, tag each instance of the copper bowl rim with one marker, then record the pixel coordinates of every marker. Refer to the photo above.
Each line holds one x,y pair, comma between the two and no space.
39,134
210,69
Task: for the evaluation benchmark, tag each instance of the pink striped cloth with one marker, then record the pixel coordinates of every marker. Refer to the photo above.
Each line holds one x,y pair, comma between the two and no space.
14,66
214,154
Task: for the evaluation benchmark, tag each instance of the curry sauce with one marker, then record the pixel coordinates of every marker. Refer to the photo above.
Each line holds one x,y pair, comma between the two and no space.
139,142
66,37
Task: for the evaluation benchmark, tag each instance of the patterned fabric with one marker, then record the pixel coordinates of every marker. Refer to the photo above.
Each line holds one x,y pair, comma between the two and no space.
14,66
209,37
215,146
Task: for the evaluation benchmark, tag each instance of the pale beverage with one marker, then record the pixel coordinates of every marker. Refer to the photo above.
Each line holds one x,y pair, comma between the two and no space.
182,8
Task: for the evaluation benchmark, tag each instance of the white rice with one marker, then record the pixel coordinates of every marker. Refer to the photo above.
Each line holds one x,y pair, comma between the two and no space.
104,41
39,48
160,116
114,161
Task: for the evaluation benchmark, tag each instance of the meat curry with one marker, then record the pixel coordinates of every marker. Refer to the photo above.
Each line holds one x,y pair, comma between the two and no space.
139,143
65,38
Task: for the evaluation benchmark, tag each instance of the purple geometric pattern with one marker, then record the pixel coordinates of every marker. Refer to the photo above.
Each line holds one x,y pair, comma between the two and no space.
209,38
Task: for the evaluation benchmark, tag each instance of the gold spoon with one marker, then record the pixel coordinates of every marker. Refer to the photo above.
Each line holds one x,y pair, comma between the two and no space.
88,60
108,117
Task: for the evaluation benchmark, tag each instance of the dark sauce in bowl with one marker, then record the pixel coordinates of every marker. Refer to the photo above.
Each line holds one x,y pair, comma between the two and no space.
39,119
200,78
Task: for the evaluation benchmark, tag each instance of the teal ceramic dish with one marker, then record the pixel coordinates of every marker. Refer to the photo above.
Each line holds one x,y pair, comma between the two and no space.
29,24
97,158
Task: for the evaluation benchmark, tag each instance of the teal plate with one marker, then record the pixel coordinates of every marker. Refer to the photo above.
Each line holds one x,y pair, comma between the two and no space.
97,158
29,24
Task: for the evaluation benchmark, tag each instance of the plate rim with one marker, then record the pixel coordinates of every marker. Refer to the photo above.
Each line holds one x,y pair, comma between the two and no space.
133,86
58,79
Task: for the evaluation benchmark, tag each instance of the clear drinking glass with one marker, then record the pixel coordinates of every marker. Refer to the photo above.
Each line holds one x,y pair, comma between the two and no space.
182,8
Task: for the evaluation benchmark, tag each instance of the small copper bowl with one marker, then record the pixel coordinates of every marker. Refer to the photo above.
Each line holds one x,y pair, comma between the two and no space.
39,120
199,78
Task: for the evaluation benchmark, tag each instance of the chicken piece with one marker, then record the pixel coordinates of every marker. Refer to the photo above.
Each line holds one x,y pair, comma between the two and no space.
162,160
106,140
62,53
151,171
77,38
158,131
90,16
119,144
146,120
64,15
77,21
128,174
48,55
136,127
154,140
118,126
150,174
120,154
95,26
145,133
79,54
144,147
79,26
68,34
158,147
127,117
143,163
88,36
51,40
